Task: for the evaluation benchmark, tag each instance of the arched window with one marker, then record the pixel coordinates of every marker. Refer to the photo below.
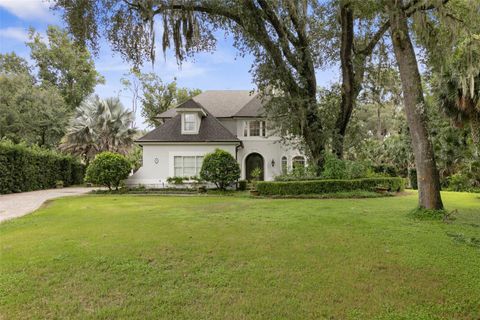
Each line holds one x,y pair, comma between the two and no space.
298,162
284,165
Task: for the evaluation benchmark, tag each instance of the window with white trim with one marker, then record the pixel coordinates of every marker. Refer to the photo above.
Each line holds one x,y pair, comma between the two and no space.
187,166
254,128
189,122
284,165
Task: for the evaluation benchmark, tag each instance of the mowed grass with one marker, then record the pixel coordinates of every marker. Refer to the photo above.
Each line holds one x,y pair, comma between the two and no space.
154,257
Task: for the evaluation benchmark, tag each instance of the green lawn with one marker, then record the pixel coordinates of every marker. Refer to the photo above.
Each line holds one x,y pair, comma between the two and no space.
155,257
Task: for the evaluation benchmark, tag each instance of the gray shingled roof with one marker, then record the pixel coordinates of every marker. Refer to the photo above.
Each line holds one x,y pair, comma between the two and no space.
252,109
226,104
189,104
211,130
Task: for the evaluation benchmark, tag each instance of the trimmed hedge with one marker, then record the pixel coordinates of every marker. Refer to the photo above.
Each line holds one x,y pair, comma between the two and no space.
26,169
328,186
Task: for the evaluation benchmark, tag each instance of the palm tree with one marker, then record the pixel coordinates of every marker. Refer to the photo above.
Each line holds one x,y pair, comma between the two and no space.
461,104
99,125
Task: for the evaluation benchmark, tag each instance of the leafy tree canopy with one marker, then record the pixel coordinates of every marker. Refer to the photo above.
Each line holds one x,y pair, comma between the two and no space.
29,112
64,64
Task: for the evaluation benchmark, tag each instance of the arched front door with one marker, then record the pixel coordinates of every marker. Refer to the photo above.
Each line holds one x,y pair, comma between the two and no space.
254,160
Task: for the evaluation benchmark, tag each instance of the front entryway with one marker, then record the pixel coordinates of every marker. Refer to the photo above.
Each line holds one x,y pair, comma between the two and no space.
253,161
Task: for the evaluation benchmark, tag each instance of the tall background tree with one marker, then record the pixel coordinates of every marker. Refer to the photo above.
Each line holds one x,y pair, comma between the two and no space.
36,101
64,64
29,112
154,95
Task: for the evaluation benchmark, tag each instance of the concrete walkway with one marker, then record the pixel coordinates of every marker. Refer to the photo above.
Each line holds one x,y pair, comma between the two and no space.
19,204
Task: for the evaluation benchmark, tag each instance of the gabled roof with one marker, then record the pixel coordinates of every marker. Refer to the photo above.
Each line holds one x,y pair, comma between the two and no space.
211,130
225,104
189,104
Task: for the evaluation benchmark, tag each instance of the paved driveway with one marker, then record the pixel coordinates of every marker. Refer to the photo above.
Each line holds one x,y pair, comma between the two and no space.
19,204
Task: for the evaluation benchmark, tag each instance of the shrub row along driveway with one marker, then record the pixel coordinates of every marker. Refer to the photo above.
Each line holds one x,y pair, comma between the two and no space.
19,204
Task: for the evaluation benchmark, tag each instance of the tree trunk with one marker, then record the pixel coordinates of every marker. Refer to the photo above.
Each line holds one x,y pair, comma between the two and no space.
379,123
427,173
313,136
349,93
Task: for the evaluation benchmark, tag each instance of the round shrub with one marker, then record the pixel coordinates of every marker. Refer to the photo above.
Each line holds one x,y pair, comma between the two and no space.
108,169
220,168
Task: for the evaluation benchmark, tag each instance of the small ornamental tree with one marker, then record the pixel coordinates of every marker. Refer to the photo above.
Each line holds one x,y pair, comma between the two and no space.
108,169
220,168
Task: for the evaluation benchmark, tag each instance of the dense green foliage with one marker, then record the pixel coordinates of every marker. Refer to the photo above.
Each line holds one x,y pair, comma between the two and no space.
220,168
29,112
334,168
108,169
35,106
242,185
152,257
31,168
345,169
412,176
328,186
64,64
99,125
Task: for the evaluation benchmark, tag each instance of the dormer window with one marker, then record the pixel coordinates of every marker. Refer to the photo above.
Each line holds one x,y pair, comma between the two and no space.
191,114
190,123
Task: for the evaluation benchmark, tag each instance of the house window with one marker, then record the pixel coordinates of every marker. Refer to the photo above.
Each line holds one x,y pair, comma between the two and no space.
298,162
284,165
187,166
254,128
189,122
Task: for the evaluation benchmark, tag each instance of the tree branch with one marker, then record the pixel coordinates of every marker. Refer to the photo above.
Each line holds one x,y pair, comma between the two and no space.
282,33
275,21
409,9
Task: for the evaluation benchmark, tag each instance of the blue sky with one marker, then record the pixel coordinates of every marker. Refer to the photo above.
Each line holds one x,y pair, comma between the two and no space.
222,69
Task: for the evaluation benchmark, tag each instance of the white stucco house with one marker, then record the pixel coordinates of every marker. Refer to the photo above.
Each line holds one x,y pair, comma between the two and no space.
231,120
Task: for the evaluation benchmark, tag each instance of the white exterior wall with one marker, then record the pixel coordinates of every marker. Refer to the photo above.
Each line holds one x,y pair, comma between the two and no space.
270,148
153,174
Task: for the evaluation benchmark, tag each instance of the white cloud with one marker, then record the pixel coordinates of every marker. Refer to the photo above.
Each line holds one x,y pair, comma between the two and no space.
18,34
170,69
186,69
28,9
114,66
